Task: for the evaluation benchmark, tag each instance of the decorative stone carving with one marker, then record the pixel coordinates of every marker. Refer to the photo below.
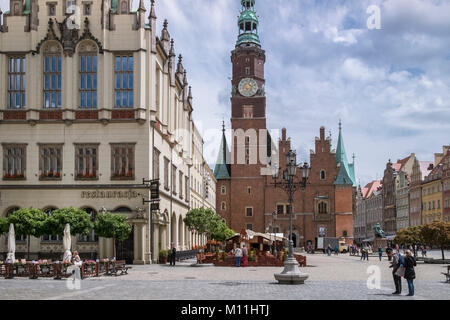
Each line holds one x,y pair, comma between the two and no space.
69,36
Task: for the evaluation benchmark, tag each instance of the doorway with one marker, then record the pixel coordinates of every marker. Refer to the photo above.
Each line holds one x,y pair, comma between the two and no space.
125,249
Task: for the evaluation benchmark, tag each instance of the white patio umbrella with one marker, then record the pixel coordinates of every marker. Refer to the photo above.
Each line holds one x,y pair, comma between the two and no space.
67,242
11,244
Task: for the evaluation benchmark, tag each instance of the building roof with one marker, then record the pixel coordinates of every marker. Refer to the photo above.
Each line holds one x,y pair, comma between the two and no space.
424,168
371,188
222,171
346,173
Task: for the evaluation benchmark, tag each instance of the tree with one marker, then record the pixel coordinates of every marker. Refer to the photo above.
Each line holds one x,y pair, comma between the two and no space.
4,226
108,225
79,221
28,222
409,236
437,233
209,222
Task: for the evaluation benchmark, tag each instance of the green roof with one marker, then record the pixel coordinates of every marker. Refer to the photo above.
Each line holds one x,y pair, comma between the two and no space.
248,38
222,171
347,171
248,15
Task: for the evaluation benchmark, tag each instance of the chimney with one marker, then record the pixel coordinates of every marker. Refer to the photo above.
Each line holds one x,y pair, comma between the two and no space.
283,134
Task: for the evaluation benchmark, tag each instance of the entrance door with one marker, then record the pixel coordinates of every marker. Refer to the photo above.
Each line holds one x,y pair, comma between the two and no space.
125,249
294,240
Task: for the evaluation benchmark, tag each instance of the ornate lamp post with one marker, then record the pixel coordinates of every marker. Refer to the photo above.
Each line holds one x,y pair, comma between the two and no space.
291,273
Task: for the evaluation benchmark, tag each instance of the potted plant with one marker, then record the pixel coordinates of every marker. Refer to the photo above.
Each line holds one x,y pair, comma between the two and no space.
163,254
224,256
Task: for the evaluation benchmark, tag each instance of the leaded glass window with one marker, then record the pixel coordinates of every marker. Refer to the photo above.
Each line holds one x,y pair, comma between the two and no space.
122,159
14,157
123,81
50,162
88,81
52,81
16,82
86,162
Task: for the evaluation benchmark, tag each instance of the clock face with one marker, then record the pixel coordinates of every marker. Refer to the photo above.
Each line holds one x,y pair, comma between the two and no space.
248,87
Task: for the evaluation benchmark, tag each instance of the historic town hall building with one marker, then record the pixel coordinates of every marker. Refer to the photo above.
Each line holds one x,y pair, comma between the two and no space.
245,196
94,100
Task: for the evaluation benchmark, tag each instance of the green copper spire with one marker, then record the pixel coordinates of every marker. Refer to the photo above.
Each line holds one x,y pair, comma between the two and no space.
222,169
346,171
248,24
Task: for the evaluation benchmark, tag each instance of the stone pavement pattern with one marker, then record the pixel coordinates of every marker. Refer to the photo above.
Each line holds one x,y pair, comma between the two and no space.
331,278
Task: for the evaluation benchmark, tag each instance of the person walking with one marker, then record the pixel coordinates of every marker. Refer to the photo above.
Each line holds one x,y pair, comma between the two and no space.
410,274
363,254
173,255
238,256
336,250
424,250
329,250
380,253
397,262
245,256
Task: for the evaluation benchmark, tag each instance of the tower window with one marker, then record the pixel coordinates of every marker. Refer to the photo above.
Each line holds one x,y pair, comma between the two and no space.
247,112
323,175
247,70
249,212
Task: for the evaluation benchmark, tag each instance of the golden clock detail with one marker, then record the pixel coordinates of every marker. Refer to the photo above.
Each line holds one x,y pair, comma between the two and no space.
248,87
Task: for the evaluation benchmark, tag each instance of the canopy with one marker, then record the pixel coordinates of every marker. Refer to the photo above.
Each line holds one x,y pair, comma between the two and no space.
11,244
67,242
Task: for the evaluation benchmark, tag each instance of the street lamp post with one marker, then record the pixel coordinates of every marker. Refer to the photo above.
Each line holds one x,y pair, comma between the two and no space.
291,273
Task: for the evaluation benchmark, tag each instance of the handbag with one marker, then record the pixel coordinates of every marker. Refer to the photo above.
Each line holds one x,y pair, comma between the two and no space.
400,272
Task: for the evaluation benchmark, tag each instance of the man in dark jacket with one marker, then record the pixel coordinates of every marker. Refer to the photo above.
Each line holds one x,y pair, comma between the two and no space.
396,263
173,255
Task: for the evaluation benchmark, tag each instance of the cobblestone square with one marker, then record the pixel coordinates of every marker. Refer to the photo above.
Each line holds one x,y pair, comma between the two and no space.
330,278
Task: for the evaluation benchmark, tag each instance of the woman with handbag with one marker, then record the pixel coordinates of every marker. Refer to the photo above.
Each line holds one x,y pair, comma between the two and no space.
410,274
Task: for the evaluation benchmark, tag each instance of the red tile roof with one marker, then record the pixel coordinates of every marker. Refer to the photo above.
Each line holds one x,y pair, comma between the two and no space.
370,188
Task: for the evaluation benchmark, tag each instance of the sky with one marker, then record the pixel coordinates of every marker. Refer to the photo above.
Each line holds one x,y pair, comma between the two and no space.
390,86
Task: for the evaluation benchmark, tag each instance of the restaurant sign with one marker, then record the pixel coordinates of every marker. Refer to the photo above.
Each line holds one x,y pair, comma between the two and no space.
97,194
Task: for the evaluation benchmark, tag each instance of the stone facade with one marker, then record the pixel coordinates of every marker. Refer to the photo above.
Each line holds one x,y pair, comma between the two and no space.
97,106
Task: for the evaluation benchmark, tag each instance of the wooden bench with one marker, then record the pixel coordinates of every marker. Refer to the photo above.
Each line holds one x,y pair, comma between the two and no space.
119,266
447,274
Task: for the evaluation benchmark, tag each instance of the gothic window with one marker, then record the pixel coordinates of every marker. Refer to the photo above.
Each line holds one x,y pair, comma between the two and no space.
124,7
16,79
280,209
247,70
86,162
247,112
87,8
323,175
14,159
70,6
122,161
223,190
174,179
50,162
249,190
156,155
223,206
88,79
51,6
181,185
124,81
322,207
166,174
52,80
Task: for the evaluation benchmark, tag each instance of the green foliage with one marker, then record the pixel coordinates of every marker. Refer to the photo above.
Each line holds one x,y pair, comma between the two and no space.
409,236
163,254
79,221
437,233
208,221
217,255
108,225
4,226
224,256
28,222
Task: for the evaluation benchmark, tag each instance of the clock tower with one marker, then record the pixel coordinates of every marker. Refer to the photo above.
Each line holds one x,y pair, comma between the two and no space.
248,122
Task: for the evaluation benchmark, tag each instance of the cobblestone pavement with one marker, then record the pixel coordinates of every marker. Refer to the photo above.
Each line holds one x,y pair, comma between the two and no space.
337,277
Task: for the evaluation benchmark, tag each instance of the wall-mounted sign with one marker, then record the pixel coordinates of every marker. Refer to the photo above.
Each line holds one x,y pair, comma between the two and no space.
97,194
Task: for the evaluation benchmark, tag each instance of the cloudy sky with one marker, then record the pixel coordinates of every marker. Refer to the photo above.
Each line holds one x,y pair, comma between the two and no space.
390,86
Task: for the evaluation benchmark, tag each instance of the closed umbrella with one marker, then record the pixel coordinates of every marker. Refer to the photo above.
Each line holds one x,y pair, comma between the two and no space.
11,244
67,242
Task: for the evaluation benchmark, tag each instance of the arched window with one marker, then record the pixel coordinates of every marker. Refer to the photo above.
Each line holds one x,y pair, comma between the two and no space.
91,237
88,75
223,190
52,75
323,207
50,238
123,210
323,175
224,206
